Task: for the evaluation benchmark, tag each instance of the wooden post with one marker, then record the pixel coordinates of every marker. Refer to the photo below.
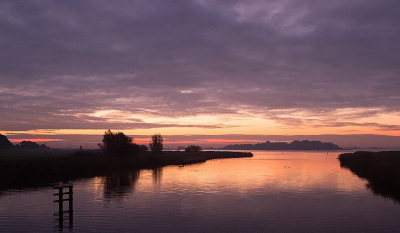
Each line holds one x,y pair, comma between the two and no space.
60,203
70,185
70,197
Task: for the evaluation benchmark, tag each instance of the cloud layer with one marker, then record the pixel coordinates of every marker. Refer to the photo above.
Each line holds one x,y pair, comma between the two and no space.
63,61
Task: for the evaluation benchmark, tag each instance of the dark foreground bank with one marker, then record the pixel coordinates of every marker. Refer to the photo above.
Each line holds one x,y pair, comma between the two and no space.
21,172
381,169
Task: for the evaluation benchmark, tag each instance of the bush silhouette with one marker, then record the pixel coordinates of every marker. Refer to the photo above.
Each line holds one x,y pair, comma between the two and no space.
193,148
143,148
156,143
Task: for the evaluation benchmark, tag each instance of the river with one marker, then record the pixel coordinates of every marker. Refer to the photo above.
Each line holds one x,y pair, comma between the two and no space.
275,191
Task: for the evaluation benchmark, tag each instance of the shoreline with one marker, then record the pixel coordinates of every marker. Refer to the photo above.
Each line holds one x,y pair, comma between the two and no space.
24,172
380,169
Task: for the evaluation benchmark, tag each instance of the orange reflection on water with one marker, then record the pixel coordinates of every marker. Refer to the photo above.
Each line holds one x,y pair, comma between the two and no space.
279,171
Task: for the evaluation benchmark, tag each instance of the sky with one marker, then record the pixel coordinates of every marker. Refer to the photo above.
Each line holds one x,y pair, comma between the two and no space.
208,72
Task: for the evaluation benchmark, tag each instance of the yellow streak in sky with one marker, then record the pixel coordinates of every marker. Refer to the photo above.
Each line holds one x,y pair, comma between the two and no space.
285,122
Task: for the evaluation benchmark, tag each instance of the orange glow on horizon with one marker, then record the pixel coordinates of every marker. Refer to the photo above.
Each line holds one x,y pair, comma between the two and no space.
229,141
182,142
37,140
147,140
280,122
141,140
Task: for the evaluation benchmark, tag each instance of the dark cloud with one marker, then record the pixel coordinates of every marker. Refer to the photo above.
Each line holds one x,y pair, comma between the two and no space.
60,59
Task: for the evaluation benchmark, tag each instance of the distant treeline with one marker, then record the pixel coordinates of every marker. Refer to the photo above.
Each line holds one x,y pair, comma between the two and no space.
31,146
6,144
295,145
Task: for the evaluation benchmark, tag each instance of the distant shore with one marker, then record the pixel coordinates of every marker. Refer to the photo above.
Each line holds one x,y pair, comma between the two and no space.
380,169
20,171
294,146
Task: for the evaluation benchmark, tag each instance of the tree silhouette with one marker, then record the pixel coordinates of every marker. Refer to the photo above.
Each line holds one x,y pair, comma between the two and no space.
156,143
193,148
4,142
118,144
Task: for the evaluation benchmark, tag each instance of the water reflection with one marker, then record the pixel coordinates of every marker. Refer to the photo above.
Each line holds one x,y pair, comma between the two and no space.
292,172
119,184
157,174
383,190
272,192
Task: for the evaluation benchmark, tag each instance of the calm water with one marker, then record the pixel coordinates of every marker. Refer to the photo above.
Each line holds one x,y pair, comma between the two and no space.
271,192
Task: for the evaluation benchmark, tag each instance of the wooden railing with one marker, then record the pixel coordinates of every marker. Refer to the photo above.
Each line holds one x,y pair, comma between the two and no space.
60,186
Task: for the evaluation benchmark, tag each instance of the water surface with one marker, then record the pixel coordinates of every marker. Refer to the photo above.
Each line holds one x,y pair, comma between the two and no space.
271,192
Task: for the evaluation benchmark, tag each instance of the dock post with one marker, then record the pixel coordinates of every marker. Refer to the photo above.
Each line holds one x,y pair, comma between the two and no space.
70,196
70,200
60,203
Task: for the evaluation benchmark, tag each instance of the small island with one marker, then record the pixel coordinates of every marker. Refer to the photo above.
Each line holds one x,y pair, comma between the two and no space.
380,169
294,145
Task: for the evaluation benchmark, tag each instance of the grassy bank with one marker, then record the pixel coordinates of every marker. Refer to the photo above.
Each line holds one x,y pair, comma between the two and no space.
24,170
381,169
24,153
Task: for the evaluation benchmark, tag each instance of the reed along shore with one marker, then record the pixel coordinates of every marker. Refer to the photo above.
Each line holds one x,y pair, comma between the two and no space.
381,169
24,171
